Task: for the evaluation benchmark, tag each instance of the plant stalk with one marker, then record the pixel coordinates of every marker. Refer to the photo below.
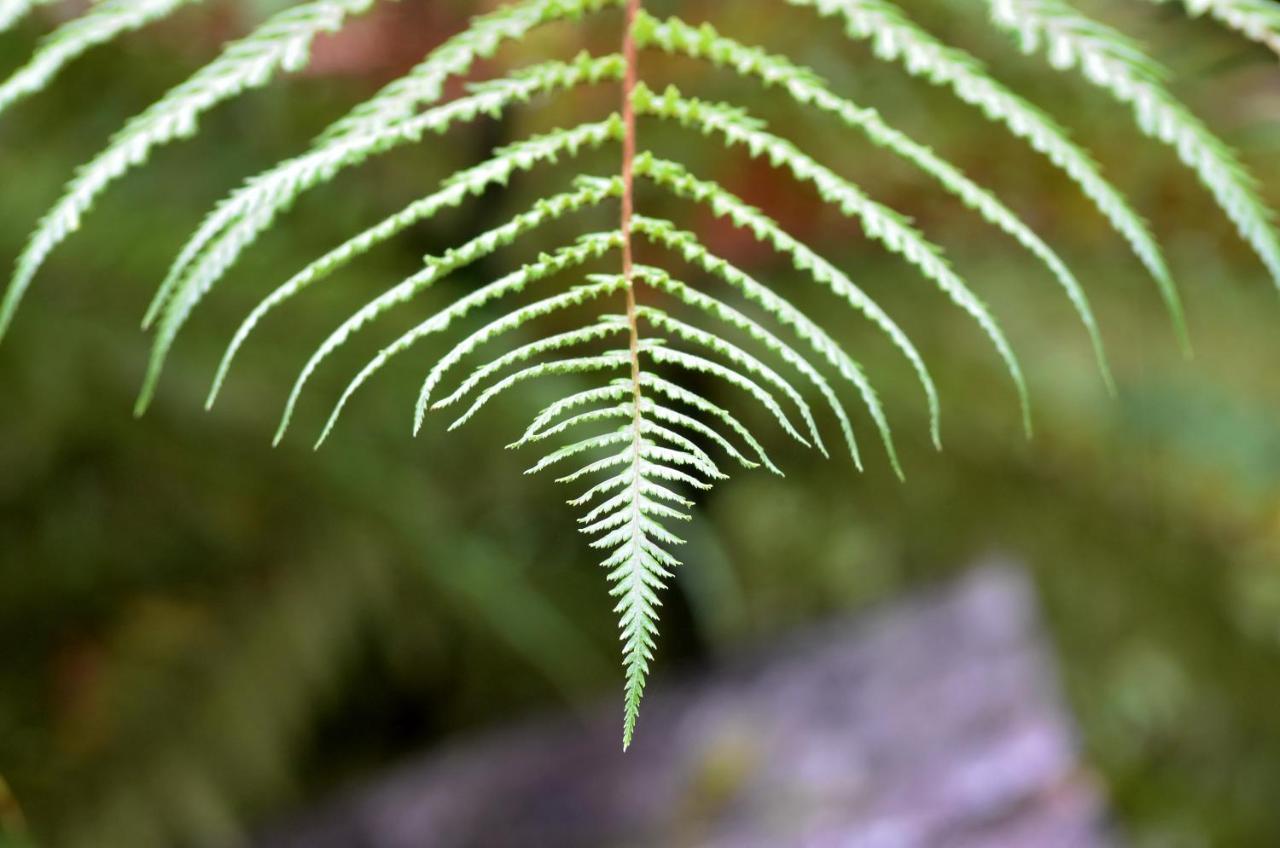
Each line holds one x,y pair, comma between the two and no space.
630,57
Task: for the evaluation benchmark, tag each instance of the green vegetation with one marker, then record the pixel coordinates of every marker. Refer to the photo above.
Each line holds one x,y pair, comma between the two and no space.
174,566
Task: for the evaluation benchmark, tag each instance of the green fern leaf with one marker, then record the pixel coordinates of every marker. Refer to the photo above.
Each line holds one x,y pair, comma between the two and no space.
262,198
661,280
424,85
687,246
636,424
1112,62
101,24
591,193
878,222
679,181
895,38
548,344
704,42
236,222
473,181
281,44
603,285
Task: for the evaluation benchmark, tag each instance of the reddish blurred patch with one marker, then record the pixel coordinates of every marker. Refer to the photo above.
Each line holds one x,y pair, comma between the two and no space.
795,207
76,694
385,42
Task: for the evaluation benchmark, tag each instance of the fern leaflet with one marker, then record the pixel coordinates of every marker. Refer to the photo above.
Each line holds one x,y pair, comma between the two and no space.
1111,61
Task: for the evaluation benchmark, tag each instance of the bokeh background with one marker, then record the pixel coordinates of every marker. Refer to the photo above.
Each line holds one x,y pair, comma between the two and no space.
199,634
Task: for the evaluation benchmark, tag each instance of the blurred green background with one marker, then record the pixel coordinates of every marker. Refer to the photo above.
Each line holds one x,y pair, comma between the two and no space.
200,633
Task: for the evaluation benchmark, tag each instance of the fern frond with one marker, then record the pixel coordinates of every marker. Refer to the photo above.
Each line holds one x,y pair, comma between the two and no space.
255,206
679,419
878,222
691,250
614,359
591,193
659,279
588,247
603,285
677,179
281,44
694,362
807,89
547,344
1257,20
702,460
100,25
397,102
592,443
637,568
686,453
628,525
679,394
541,429
747,362
498,170
12,11
622,410
634,424
1114,63
896,38
535,431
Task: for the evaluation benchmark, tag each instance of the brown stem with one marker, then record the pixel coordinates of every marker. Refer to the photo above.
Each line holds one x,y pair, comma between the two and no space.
629,54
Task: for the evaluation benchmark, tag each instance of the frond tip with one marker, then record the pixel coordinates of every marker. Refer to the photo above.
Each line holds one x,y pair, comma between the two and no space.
629,508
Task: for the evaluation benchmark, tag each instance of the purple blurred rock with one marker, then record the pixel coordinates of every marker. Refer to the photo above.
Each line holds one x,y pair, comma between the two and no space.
933,722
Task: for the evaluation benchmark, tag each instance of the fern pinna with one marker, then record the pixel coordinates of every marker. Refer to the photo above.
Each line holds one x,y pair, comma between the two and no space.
638,438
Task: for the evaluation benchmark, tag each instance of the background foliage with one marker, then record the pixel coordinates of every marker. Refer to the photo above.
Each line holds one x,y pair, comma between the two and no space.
201,632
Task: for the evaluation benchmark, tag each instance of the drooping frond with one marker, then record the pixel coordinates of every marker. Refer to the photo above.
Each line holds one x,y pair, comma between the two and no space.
678,394
807,89
251,209
587,248
260,200
1116,64
659,279
600,286
541,427
678,180
1257,20
473,181
642,460
605,327
101,24
648,367
878,222
638,563
689,248
896,38
281,44
591,193
700,364
613,360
